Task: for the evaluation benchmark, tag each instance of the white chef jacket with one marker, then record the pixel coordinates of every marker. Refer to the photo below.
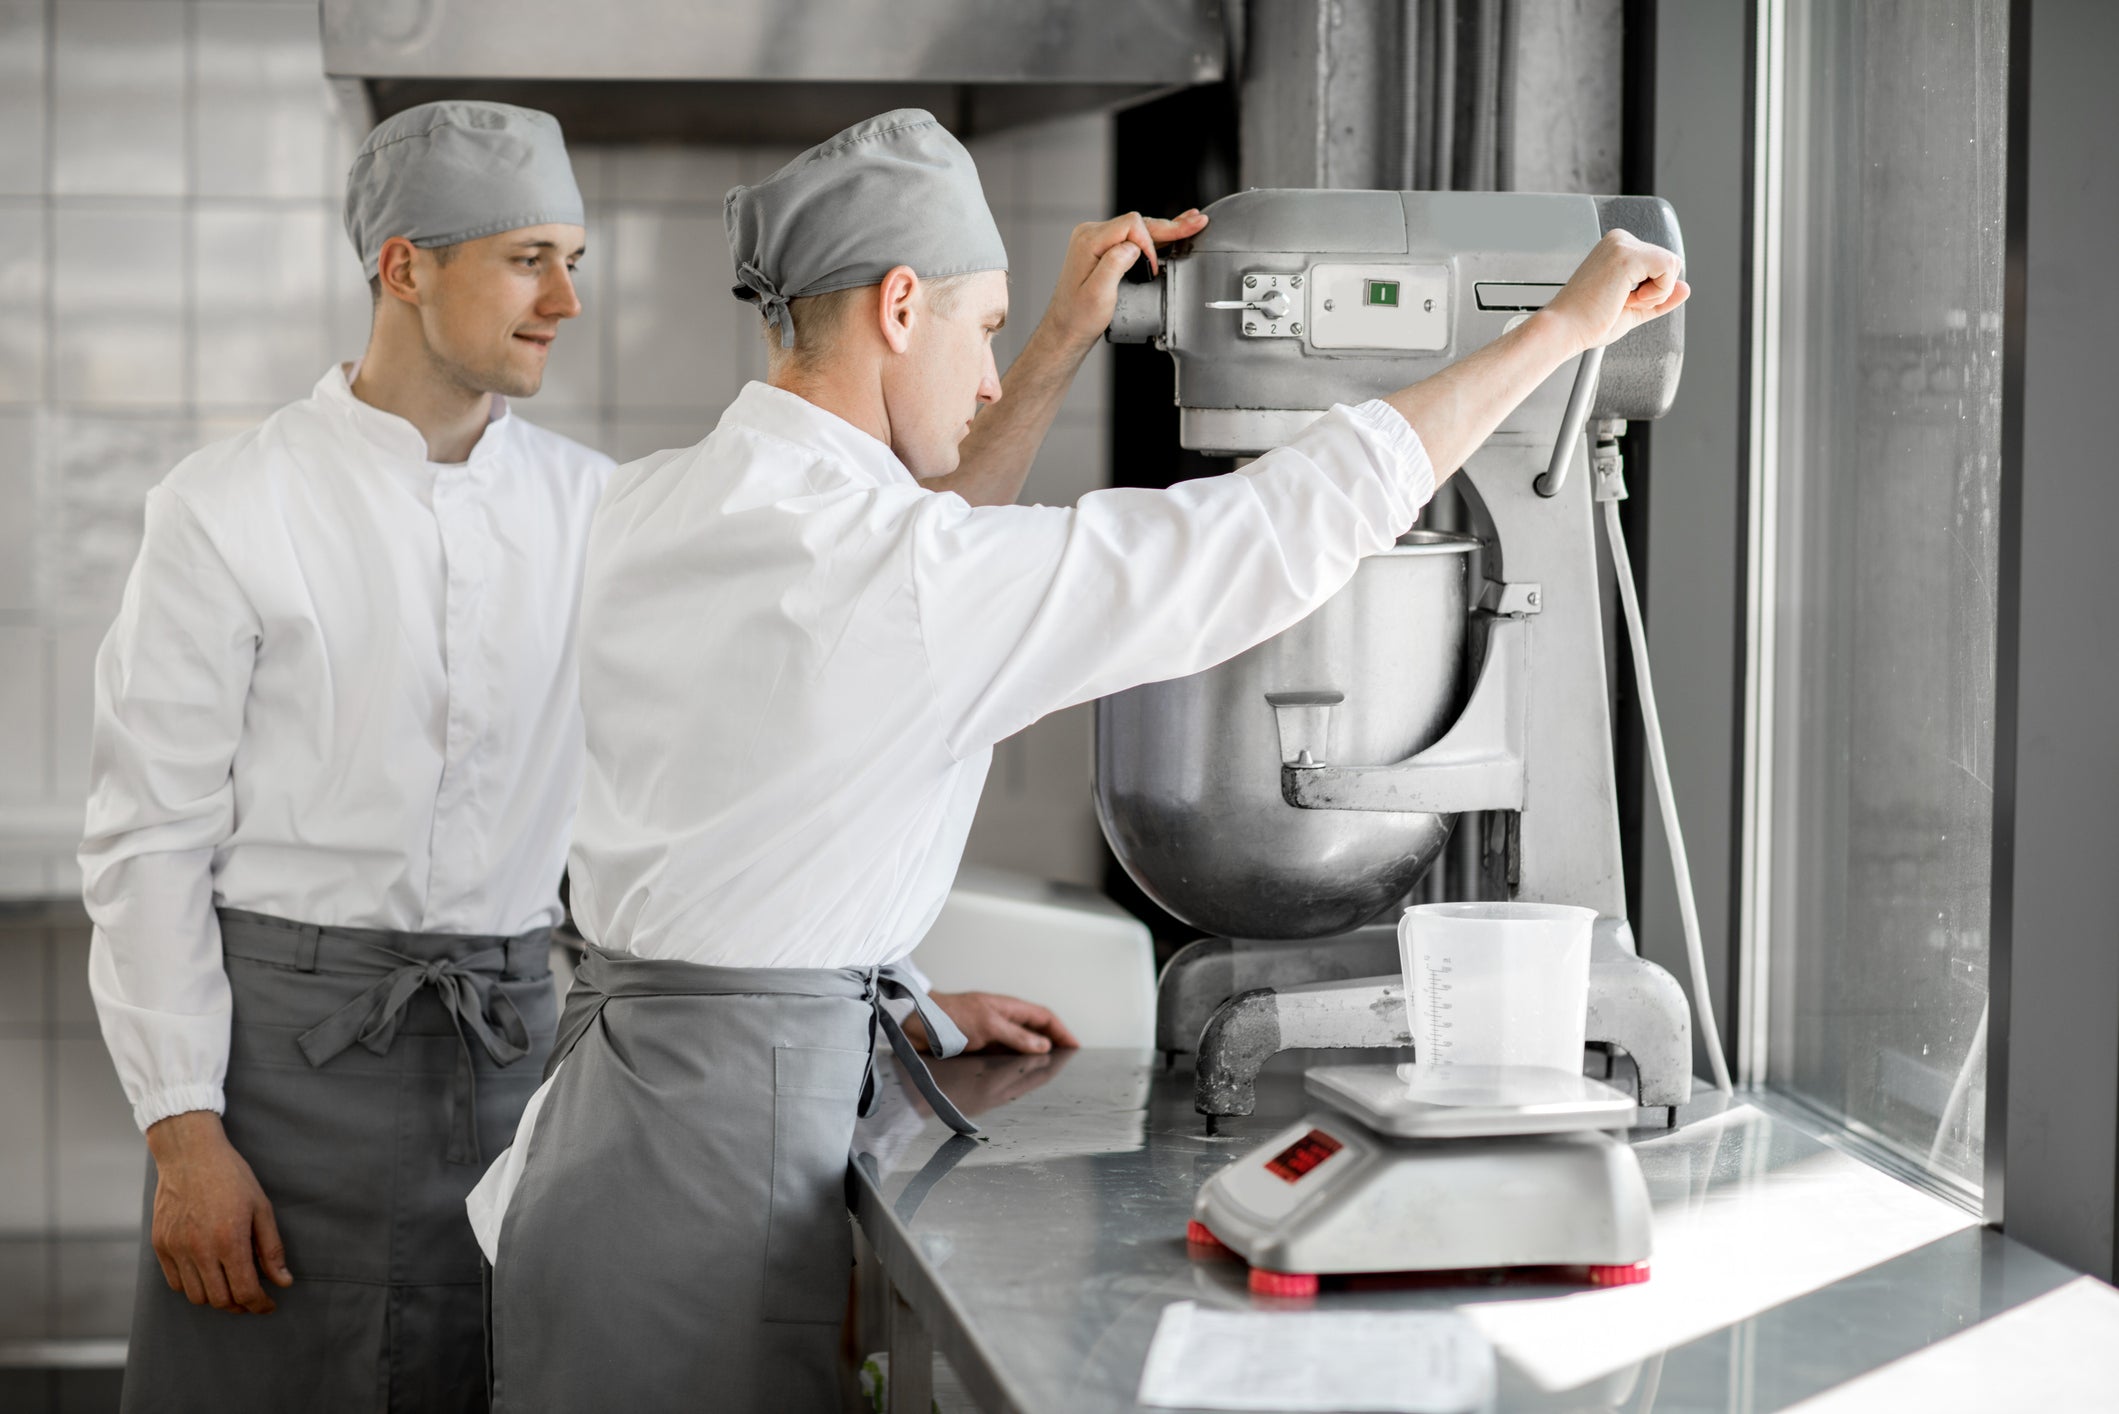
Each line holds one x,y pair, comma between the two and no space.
796,662
341,688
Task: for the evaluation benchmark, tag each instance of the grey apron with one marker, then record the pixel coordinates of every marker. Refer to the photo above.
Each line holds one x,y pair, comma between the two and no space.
368,1072
679,1237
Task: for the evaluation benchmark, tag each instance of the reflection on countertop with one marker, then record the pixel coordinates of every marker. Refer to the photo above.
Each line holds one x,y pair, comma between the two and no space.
1079,1109
1041,1254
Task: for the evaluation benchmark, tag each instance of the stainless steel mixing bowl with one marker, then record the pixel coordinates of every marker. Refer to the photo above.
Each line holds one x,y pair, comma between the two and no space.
1188,771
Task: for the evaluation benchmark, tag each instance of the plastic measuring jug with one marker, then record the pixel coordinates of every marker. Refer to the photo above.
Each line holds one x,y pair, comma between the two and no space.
1497,983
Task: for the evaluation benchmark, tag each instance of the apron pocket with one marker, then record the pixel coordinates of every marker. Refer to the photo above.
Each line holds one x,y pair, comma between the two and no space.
808,1243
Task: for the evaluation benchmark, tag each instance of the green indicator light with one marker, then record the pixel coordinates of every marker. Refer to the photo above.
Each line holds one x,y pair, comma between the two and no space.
1383,292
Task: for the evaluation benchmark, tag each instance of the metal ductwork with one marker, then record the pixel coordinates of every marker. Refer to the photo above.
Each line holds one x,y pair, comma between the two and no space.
779,71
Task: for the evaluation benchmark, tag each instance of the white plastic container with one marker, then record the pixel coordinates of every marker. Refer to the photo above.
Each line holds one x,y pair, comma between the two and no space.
1497,983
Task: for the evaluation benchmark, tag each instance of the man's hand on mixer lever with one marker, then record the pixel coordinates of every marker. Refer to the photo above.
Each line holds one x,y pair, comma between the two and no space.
1622,284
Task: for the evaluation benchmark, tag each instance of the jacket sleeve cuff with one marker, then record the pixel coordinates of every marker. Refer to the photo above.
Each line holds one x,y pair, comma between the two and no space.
1388,426
175,1100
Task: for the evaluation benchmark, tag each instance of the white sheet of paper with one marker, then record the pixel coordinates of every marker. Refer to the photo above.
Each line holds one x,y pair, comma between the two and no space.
1395,1362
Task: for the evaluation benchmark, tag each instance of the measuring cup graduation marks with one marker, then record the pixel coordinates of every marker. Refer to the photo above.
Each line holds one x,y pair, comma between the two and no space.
1497,983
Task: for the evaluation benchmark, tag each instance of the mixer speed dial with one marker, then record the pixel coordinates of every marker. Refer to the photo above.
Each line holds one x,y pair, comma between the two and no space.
1271,305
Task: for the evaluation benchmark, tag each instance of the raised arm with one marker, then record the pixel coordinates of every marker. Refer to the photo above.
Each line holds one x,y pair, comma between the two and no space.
1028,609
995,458
1623,283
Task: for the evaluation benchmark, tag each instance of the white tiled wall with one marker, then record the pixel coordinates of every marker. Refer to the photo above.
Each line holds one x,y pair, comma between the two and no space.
72,1167
172,268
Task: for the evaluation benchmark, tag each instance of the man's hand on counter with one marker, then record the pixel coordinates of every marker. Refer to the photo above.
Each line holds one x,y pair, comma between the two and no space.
988,1019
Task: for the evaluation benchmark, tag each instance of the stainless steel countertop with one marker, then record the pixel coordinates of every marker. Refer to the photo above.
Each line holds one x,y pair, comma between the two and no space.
1040,1256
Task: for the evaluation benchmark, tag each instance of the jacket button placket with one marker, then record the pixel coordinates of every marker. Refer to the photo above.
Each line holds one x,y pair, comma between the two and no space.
455,848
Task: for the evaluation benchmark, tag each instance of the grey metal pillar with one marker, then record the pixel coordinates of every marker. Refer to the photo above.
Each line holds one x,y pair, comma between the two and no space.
1322,85
1694,595
2052,1138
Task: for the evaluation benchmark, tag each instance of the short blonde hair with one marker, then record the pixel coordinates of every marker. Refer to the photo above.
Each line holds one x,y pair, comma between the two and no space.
818,319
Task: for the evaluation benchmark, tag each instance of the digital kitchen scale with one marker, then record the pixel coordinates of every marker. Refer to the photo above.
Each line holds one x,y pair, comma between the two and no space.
1436,1169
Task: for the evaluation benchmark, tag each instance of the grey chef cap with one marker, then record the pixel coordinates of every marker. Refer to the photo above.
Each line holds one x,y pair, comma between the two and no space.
897,189
454,171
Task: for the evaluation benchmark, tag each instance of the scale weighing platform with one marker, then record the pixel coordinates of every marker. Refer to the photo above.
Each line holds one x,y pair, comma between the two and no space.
1436,1169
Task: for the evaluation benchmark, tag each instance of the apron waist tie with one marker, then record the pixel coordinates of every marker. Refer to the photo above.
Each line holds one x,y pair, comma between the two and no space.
464,985
892,982
605,974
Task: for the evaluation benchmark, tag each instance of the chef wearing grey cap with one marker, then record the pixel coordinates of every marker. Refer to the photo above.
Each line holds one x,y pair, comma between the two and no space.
337,747
802,639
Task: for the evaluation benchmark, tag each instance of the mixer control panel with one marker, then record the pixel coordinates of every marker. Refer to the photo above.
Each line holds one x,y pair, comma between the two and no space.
1376,306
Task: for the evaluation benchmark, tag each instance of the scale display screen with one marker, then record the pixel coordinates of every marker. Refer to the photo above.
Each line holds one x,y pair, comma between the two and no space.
1383,292
1312,1149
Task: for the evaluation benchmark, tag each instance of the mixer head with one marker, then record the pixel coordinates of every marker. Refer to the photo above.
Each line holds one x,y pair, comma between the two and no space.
1293,300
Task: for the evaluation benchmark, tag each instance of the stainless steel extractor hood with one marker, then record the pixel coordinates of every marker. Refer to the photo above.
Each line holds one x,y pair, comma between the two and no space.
773,70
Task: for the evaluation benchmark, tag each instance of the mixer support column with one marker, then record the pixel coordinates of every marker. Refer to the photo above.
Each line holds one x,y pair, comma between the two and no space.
1569,822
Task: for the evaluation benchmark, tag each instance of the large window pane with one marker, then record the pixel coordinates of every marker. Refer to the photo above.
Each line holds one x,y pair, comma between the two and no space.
1889,469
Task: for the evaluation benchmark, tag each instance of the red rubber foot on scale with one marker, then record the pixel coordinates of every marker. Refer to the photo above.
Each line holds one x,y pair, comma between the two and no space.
1618,1276
1265,1283
1201,1239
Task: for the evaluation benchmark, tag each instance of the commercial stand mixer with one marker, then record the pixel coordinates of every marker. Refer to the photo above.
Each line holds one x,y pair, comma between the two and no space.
1287,800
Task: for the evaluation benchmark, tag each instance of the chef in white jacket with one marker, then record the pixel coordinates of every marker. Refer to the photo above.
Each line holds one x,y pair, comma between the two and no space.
337,749
801,640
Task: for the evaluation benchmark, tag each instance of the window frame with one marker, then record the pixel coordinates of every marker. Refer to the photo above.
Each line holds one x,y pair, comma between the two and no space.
2051,1177
2053,1078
